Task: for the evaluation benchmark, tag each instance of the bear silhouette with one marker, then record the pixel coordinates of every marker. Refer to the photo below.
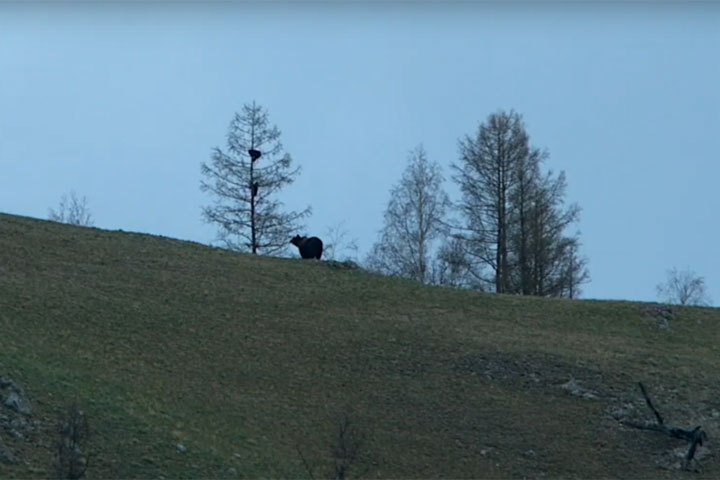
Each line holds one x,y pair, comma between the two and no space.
311,247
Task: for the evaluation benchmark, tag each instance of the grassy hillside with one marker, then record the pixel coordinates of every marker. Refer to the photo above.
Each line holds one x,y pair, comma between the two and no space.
246,360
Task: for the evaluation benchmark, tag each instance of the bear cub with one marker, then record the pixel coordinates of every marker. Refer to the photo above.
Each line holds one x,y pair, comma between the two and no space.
311,247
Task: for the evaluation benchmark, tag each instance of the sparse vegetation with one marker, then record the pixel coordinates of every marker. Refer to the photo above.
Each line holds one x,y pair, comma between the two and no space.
72,442
345,451
72,210
239,357
683,287
339,246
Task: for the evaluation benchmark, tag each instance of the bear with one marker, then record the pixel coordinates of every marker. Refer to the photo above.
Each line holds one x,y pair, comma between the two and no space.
309,247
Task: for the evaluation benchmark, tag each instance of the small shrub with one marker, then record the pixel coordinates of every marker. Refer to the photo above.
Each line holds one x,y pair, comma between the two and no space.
73,434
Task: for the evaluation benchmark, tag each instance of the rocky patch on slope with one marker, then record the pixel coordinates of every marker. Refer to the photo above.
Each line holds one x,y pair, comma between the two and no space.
16,422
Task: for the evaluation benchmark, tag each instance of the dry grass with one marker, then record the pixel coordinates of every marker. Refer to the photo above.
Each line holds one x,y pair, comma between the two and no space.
241,359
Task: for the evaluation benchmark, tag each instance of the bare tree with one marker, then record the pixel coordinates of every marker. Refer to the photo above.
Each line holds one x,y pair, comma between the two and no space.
554,264
683,287
515,217
574,271
345,449
72,210
337,243
73,433
523,197
345,452
487,177
244,182
452,265
414,218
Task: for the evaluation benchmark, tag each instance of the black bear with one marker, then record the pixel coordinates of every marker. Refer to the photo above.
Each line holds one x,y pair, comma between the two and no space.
309,247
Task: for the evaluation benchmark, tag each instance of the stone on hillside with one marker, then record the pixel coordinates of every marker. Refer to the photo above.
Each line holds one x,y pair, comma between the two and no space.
181,448
14,396
16,401
574,388
662,316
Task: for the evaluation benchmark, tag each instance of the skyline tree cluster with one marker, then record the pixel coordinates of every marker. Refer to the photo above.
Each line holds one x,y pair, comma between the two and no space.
511,231
506,234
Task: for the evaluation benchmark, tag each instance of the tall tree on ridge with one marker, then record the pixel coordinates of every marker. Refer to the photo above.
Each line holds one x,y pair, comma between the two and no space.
515,218
487,177
244,183
414,218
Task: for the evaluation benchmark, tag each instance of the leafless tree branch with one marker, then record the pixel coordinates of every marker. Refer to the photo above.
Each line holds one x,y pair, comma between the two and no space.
683,287
72,210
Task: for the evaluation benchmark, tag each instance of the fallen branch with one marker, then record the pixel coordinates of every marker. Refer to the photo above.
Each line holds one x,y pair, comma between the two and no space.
694,437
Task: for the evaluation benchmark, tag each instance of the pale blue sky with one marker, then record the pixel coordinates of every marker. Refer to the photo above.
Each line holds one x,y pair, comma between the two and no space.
121,102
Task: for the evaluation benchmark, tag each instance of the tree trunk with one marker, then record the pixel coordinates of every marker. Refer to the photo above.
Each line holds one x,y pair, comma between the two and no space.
253,227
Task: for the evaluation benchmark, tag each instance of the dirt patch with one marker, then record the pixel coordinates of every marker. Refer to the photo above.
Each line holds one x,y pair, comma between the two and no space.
538,371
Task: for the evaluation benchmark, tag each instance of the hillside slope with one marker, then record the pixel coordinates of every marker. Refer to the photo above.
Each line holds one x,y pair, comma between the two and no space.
252,362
